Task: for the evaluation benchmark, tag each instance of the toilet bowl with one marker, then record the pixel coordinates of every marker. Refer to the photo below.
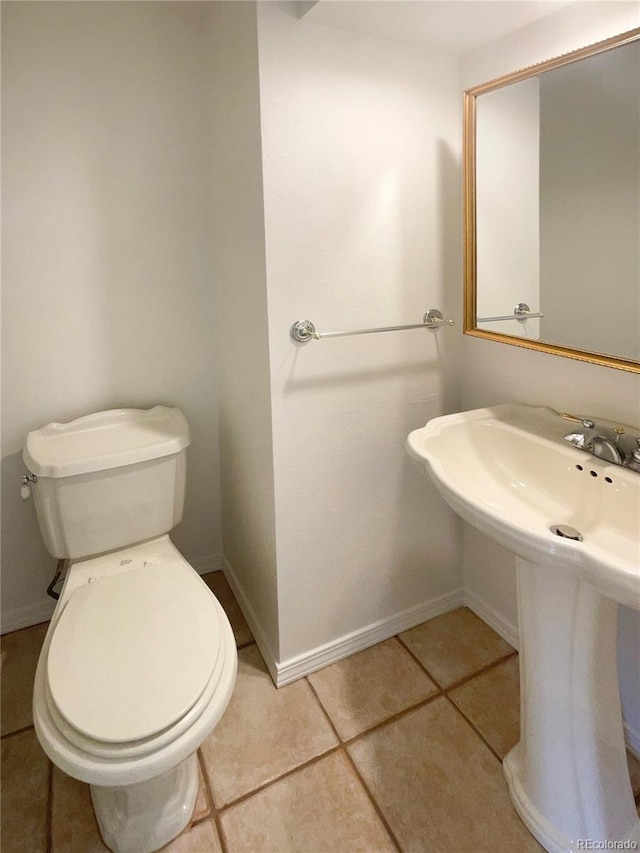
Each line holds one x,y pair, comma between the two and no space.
137,667
139,662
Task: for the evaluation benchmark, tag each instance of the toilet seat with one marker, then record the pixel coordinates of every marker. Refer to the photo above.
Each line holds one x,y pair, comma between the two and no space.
106,763
140,748
145,645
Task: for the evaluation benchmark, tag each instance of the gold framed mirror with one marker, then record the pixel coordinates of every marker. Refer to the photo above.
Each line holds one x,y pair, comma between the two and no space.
552,205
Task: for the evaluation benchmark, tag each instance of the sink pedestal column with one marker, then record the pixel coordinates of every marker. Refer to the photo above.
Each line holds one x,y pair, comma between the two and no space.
568,776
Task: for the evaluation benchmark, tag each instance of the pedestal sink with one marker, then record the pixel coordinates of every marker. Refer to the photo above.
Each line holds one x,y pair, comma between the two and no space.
507,471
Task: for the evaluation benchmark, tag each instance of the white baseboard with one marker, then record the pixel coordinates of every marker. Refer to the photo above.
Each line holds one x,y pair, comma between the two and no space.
252,620
493,618
25,617
284,672
304,664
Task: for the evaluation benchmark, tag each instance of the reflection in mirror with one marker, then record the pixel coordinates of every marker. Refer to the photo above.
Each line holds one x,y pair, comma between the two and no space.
553,205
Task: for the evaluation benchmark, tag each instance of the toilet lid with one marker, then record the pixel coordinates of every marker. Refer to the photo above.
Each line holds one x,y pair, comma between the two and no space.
133,652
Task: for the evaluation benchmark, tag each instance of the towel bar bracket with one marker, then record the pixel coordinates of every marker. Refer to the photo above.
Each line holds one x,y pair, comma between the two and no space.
303,330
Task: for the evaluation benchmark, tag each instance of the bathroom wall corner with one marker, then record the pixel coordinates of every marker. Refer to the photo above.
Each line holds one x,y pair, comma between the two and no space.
240,322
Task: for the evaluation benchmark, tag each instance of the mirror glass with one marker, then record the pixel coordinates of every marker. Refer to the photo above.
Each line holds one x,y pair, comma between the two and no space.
552,160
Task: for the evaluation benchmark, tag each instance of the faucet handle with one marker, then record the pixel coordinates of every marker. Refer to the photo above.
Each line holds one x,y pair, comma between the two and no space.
587,423
619,431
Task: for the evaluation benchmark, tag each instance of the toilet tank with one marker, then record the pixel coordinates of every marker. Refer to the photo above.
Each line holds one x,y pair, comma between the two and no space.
108,480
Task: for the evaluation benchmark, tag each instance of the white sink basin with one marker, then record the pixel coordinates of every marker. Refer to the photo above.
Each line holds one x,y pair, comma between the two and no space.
507,471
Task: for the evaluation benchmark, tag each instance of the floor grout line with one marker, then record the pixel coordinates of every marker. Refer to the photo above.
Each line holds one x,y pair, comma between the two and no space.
475,729
465,678
395,717
373,800
222,838
418,661
17,732
244,797
487,668
207,788
314,692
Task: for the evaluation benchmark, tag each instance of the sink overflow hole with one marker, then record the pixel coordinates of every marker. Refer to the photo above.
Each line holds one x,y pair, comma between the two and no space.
566,532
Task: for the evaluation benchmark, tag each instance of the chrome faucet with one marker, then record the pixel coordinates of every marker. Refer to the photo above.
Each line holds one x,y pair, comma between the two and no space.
604,442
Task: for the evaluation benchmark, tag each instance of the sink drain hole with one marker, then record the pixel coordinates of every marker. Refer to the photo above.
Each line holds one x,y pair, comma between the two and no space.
566,532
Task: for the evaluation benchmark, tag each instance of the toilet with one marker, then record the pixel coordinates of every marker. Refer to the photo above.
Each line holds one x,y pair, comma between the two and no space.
139,662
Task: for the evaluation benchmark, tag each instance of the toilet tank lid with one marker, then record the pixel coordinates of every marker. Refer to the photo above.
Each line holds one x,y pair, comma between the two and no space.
106,440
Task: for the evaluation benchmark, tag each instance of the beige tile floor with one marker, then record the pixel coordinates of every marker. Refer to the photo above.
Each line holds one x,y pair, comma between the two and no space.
397,748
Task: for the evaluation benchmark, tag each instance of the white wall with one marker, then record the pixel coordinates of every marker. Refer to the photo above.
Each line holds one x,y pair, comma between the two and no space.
238,262
494,373
360,143
107,293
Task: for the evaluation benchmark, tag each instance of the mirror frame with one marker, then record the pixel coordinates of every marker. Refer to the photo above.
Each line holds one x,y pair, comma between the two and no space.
469,166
